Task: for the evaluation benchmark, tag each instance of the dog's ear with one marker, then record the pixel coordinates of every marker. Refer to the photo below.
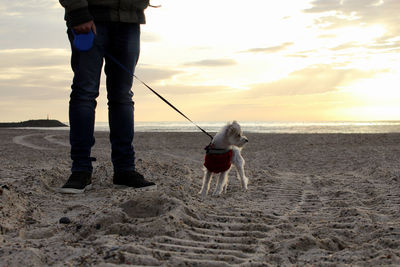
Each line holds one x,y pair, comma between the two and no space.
231,130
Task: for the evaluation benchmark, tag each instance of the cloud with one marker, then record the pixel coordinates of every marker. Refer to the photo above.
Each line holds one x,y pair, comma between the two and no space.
35,83
20,6
183,90
34,74
14,58
339,13
197,90
212,63
373,46
347,6
150,37
328,36
345,46
303,53
311,80
36,25
387,45
150,74
270,49
297,55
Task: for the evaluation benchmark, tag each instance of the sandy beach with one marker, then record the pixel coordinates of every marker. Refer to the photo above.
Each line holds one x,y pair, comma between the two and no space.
313,199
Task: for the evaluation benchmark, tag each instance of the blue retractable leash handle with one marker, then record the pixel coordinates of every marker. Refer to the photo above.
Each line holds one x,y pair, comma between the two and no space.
83,41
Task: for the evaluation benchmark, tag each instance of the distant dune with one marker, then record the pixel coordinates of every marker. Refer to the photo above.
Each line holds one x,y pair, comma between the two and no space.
34,123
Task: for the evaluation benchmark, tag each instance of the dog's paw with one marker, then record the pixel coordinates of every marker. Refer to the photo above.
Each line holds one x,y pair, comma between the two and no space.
202,194
245,183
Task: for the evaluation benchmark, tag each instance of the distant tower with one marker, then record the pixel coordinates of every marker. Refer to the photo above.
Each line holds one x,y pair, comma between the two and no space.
47,116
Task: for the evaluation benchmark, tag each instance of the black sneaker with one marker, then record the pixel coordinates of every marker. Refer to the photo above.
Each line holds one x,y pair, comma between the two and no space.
131,179
77,183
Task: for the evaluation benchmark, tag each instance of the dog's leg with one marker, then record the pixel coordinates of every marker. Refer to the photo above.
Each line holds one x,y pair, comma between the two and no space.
225,182
222,181
217,184
242,177
226,186
238,161
206,183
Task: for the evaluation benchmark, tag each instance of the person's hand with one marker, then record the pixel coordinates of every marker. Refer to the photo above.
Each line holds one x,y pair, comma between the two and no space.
85,27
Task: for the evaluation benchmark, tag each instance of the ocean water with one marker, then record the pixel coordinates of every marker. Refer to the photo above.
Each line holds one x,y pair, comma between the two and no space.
261,127
269,127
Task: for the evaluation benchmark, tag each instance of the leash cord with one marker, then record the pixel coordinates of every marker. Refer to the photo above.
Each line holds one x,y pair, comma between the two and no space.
157,94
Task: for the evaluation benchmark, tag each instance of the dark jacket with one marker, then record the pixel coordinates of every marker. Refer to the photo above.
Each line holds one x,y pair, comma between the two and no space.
81,11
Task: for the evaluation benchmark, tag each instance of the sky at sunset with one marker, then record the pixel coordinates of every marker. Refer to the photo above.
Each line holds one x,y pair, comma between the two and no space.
255,60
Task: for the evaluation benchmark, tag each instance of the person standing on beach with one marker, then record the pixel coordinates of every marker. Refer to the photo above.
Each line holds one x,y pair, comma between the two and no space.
116,25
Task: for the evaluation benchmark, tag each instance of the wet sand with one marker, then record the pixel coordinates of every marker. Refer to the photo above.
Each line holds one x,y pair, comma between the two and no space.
316,199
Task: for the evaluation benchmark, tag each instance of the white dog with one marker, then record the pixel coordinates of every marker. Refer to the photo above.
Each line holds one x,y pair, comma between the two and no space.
223,150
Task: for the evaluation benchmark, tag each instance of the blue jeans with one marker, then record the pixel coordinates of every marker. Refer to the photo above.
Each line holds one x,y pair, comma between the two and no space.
122,41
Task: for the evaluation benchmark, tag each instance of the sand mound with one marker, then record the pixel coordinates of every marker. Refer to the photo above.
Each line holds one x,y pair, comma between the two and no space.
148,205
14,208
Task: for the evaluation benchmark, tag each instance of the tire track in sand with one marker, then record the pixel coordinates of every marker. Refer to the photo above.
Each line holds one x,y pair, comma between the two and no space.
23,140
54,140
231,233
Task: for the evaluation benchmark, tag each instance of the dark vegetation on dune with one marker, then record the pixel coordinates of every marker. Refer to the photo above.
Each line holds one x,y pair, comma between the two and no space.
34,123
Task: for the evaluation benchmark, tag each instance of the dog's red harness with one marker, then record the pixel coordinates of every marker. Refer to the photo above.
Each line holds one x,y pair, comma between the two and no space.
216,160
